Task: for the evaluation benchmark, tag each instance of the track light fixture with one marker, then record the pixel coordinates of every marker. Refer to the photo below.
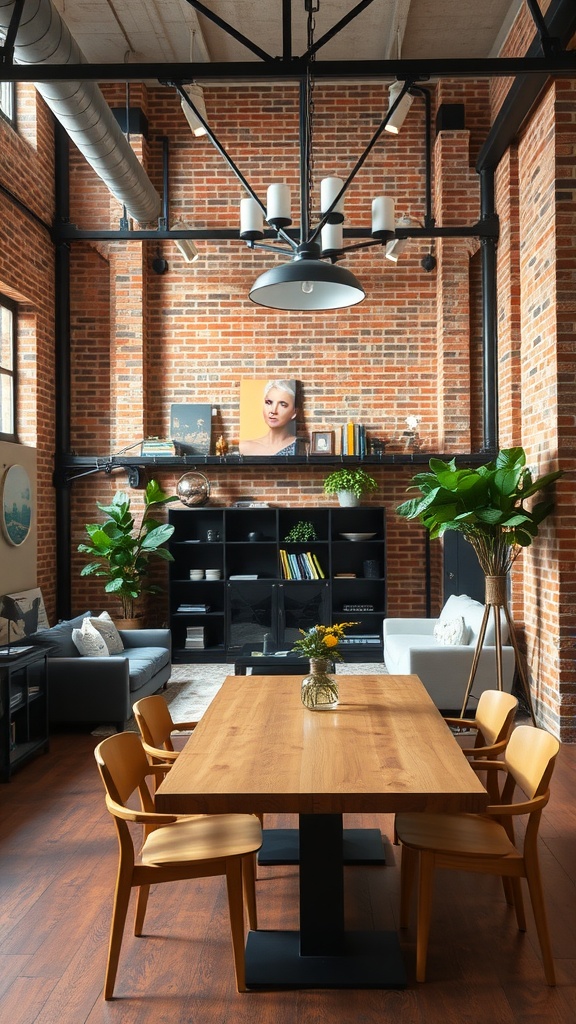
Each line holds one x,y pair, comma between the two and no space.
396,246
186,245
196,94
398,106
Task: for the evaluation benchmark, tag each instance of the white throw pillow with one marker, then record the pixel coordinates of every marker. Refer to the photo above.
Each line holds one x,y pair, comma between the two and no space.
89,642
451,632
108,632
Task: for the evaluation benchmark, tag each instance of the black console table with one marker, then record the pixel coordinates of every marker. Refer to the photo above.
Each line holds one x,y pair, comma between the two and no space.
23,706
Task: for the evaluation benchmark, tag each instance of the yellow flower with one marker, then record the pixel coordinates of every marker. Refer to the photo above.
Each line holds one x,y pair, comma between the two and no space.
330,640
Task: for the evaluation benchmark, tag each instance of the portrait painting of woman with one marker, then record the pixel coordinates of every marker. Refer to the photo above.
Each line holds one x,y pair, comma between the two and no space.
268,411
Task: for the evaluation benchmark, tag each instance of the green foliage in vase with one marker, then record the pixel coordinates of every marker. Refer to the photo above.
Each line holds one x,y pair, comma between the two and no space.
356,480
302,531
122,551
486,504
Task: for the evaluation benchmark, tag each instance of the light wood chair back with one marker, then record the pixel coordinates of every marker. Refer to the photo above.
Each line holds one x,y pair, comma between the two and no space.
485,843
492,724
156,726
175,847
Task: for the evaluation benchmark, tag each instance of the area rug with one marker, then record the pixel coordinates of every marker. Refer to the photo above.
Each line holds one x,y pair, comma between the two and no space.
191,688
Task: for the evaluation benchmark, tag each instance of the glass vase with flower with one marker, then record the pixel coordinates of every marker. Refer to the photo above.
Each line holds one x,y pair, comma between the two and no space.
320,644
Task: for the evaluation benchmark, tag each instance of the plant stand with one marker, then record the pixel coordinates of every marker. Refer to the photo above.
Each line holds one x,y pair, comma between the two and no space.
495,599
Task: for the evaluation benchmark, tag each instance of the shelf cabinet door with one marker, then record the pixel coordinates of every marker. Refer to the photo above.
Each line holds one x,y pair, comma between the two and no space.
301,605
251,612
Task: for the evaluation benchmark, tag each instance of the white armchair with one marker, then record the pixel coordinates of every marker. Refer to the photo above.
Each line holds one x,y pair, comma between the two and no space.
440,651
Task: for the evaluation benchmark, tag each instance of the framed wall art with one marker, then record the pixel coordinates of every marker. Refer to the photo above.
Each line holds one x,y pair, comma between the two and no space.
322,442
16,505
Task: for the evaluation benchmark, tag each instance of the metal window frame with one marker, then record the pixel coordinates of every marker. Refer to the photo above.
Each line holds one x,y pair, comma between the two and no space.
9,304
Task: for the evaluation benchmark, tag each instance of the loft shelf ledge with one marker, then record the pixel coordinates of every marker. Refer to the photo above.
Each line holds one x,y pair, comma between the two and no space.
71,467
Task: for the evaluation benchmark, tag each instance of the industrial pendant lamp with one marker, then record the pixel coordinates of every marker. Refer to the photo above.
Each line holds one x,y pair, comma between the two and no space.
311,278
307,283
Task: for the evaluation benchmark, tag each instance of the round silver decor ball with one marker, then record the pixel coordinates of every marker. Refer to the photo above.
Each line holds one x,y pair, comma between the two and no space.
193,489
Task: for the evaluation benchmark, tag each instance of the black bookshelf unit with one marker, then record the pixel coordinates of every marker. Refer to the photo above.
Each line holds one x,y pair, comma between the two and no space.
240,593
23,707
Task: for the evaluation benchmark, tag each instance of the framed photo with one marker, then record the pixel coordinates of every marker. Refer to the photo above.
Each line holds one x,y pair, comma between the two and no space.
322,442
191,427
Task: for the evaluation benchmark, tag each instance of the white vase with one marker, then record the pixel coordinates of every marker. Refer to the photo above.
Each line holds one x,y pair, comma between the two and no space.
348,499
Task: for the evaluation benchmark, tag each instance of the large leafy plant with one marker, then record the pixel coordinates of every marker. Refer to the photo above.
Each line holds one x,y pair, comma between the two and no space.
486,504
122,551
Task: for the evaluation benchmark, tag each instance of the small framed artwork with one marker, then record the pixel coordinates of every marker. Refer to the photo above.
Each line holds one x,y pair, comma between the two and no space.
322,442
16,505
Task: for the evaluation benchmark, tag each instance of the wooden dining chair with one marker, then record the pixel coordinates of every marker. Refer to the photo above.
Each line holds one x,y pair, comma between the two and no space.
156,727
175,847
485,843
492,725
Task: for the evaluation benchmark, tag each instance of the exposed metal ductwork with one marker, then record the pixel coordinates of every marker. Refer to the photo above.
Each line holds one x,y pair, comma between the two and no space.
80,107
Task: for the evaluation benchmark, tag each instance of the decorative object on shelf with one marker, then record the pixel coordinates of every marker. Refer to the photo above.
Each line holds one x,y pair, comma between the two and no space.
320,645
123,552
191,427
322,442
16,505
411,438
193,489
349,485
357,536
486,505
221,446
301,532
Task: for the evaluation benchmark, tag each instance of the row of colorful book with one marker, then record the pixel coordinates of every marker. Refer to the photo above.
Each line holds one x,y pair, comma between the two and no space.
353,439
301,565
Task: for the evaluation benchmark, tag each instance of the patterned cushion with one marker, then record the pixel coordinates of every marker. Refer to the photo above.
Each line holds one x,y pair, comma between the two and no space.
451,632
89,641
109,633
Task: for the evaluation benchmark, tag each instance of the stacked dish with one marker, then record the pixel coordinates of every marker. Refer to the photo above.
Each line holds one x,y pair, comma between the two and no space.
213,574
196,574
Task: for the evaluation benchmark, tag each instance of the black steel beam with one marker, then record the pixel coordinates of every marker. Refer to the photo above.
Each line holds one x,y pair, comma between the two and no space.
229,29
524,91
278,69
62,377
486,228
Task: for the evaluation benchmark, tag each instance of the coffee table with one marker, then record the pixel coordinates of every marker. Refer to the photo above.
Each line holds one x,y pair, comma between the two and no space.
385,748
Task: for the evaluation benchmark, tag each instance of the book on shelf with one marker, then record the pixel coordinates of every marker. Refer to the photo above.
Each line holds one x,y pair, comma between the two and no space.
364,639
157,446
193,607
353,439
301,565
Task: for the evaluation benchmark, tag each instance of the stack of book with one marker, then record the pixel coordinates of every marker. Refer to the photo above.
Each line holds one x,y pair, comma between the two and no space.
194,637
158,446
196,607
353,439
301,565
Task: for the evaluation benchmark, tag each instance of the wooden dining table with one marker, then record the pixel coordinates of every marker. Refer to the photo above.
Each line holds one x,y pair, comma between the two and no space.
384,748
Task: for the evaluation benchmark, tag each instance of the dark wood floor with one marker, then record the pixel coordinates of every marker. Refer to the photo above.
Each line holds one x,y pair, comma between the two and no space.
57,867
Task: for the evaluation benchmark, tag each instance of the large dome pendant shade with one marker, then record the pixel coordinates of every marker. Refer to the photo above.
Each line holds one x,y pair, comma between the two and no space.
307,283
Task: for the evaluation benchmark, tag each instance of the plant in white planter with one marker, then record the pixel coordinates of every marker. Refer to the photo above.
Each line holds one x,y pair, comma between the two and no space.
349,485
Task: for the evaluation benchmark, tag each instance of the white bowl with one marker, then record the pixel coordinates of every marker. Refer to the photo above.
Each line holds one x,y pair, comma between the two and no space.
358,536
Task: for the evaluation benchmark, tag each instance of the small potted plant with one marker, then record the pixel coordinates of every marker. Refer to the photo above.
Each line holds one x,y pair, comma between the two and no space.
122,551
349,485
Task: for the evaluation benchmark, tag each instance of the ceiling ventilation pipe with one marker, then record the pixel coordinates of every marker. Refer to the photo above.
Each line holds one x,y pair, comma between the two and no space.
43,38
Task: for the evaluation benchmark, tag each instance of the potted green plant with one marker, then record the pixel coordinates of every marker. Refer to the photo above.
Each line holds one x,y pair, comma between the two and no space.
122,551
488,506
349,485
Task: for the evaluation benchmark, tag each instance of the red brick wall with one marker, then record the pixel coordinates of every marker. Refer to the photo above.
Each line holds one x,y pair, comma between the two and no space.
27,275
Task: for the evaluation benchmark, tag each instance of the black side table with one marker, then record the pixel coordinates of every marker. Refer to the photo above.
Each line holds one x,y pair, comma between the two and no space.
23,706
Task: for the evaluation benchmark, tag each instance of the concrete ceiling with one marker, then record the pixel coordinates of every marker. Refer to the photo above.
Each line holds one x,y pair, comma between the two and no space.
134,31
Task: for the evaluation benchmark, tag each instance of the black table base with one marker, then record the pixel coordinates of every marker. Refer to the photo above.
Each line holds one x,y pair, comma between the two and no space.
367,960
360,846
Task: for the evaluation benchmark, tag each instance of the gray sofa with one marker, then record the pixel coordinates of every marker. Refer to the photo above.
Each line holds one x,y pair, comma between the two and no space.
102,690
